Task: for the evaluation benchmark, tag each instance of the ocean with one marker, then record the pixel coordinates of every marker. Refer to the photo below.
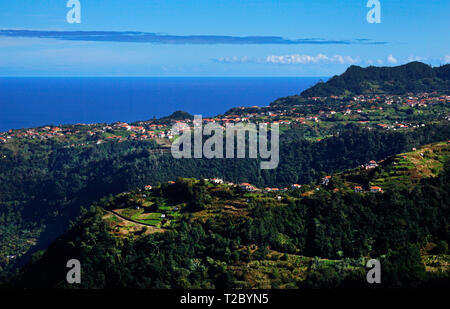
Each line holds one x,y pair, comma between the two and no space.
29,101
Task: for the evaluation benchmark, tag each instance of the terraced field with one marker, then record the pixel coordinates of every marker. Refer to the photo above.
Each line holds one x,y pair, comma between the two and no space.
402,171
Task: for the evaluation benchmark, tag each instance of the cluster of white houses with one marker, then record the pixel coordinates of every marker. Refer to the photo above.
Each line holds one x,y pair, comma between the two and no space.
243,186
247,187
250,188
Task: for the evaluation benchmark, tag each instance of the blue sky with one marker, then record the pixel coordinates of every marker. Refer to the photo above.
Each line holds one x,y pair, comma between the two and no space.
211,37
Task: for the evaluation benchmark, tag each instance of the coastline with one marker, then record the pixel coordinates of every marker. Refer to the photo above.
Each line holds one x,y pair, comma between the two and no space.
72,100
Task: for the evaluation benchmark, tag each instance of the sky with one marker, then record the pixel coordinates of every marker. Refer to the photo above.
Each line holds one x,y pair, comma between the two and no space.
218,37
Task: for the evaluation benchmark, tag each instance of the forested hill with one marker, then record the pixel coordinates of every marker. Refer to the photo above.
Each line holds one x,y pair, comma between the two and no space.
411,77
178,115
201,234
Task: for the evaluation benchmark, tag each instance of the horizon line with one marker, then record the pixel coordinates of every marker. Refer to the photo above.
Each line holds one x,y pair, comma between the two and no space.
152,76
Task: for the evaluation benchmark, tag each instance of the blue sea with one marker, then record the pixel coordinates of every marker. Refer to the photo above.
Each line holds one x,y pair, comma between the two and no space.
29,102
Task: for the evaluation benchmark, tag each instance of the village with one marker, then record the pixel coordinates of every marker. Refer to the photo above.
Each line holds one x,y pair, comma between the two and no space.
142,210
319,113
323,182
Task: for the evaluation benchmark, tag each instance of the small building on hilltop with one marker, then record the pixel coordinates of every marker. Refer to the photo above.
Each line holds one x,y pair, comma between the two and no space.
247,187
358,189
371,164
326,180
375,189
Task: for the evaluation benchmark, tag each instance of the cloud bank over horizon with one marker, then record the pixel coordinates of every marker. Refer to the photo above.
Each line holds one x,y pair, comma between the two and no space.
320,58
292,59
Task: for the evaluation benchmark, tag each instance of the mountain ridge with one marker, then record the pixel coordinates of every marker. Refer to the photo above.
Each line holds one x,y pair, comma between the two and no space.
411,77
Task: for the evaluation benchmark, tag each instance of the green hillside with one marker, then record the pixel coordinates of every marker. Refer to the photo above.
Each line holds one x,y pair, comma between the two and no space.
219,235
49,173
412,77
402,171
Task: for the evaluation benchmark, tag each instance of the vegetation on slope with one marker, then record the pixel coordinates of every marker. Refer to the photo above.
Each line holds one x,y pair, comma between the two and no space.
412,77
224,237
44,185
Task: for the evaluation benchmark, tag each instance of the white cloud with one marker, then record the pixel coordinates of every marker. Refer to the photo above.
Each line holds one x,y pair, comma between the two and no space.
391,59
416,58
297,59
234,59
307,59
292,59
